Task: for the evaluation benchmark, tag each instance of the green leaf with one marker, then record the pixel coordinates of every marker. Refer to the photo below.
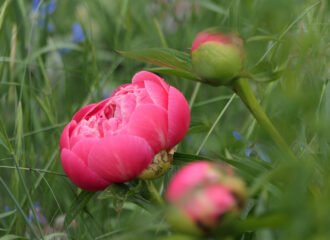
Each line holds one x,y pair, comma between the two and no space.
4,140
174,72
246,165
120,193
78,205
182,158
198,127
265,221
10,237
7,214
3,11
214,7
19,131
162,57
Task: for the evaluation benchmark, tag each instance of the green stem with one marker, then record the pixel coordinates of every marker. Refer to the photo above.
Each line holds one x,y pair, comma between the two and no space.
244,91
154,193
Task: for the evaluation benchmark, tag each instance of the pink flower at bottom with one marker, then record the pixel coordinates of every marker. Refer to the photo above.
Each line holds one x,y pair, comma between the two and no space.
116,139
201,192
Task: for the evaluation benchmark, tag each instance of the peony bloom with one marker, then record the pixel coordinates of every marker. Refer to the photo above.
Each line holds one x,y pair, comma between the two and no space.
200,193
217,58
116,139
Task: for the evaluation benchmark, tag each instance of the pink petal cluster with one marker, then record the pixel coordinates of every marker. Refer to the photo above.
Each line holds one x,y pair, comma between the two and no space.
217,37
116,139
205,37
202,192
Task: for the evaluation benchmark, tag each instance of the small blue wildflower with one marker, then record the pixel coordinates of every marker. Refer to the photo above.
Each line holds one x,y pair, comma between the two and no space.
42,11
237,135
78,34
50,7
248,151
35,5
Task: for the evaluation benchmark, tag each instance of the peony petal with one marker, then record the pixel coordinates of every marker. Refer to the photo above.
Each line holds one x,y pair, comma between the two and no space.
120,158
204,37
80,174
96,109
119,89
178,117
221,199
82,112
143,76
186,179
83,147
65,137
157,93
209,203
150,123
88,110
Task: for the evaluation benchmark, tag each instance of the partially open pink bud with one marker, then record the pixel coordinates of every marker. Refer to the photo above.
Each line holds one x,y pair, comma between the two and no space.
201,193
116,139
217,58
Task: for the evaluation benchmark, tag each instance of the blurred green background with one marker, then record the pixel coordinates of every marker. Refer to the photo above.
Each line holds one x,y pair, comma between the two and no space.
57,56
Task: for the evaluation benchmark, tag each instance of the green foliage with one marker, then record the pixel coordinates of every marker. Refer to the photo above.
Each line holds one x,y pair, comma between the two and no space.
45,77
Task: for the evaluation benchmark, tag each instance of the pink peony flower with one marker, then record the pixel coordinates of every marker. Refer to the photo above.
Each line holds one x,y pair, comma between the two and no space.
217,58
200,193
116,139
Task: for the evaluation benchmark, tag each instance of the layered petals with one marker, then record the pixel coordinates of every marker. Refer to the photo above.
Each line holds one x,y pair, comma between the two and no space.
80,174
65,137
188,177
152,129
203,192
120,158
178,117
116,139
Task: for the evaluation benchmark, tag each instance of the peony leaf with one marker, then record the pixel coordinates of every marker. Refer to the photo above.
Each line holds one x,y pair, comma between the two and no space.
162,57
183,158
174,72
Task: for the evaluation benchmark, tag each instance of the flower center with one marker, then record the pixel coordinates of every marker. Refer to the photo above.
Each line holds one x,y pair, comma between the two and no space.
114,114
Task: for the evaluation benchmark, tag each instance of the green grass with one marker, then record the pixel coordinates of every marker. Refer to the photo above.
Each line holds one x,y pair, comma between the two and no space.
45,78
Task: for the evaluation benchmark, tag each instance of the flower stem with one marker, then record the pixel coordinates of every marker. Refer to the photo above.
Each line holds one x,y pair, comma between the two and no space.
154,193
244,91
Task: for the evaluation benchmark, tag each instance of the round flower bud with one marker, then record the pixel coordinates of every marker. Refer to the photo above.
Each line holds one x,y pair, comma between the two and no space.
200,194
217,58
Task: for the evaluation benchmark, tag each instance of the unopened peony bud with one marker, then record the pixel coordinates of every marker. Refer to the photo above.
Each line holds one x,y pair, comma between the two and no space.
217,58
200,194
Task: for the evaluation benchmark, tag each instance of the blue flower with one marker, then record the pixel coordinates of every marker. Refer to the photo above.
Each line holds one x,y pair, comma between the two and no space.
78,34
42,11
50,7
35,5
237,135
248,151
